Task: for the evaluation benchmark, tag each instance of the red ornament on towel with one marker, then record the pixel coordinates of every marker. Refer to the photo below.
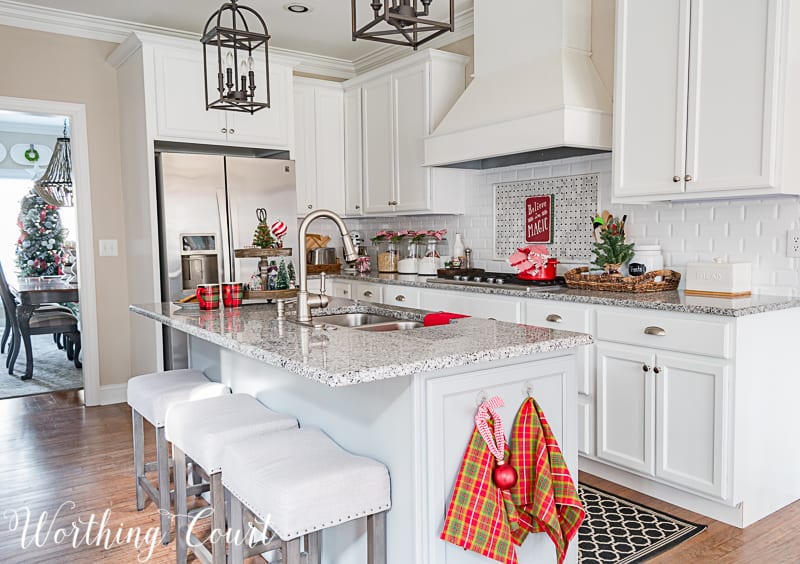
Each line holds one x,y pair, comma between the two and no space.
504,475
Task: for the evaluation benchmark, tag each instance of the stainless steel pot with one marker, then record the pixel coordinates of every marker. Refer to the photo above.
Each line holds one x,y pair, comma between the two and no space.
326,255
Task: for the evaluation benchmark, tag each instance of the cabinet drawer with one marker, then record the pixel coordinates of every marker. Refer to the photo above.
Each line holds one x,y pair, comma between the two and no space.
558,316
500,308
368,292
683,334
404,296
342,289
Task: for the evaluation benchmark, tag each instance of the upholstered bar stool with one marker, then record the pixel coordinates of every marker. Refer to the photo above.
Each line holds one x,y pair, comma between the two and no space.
150,397
299,483
201,430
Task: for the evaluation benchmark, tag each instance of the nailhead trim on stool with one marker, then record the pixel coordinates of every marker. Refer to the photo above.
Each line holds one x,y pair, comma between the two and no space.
303,482
202,429
150,397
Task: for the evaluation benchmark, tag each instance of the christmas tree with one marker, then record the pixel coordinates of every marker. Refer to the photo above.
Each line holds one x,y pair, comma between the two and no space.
39,247
283,277
612,251
263,236
292,276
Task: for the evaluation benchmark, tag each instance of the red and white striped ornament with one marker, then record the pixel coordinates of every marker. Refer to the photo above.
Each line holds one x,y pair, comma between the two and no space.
279,229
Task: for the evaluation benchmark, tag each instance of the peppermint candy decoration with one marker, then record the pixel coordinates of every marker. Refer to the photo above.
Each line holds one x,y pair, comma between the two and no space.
279,229
504,475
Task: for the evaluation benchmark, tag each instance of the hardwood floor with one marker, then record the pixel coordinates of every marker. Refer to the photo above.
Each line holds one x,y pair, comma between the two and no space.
53,450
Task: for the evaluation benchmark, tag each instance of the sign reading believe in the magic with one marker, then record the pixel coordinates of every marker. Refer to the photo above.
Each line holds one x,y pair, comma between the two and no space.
539,219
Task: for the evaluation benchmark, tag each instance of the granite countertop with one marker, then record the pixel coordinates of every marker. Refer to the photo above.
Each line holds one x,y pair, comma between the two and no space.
341,356
664,301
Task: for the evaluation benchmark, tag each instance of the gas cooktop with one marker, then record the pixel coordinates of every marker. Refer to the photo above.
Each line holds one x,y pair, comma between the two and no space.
502,280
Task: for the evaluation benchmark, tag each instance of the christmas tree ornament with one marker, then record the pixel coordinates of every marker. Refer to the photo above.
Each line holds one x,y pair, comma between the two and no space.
263,236
504,475
279,230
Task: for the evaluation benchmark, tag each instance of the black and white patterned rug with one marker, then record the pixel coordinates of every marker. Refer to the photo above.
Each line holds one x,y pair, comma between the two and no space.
623,532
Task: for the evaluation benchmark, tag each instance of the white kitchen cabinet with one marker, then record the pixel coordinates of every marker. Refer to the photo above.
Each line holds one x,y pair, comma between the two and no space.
400,104
342,289
500,308
319,145
404,296
180,105
353,153
368,292
699,99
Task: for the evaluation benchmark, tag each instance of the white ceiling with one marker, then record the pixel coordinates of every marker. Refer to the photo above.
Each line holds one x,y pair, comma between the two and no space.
325,30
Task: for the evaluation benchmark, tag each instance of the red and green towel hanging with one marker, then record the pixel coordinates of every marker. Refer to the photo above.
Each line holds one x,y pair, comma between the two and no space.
489,520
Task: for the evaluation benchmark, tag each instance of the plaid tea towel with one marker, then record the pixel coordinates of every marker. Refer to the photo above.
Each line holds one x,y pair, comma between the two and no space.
478,515
545,495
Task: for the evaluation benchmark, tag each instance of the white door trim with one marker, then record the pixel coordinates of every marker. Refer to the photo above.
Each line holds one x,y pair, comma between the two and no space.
83,204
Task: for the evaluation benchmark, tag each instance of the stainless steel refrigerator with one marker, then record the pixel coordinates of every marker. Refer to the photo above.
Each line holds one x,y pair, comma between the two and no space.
207,208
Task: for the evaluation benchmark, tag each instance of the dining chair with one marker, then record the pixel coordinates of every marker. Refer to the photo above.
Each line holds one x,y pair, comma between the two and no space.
44,322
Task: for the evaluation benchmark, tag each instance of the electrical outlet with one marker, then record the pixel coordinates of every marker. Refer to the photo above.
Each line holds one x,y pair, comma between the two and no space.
793,244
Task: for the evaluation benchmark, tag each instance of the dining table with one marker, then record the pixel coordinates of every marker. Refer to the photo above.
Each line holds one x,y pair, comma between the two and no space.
34,292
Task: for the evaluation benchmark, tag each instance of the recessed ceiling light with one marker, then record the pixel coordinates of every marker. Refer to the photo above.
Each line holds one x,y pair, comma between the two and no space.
297,8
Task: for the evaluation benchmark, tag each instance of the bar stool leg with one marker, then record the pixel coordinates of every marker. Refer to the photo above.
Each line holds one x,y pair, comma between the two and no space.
290,550
238,534
218,518
376,538
162,456
138,456
181,511
314,548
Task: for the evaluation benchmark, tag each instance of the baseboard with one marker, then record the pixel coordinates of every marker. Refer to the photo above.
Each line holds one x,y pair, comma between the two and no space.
114,393
716,510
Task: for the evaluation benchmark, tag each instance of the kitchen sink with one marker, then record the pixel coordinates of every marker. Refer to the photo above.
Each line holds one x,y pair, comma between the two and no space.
367,322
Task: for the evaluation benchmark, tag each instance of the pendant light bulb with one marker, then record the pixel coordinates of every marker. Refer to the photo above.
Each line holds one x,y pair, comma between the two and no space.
229,60
251,63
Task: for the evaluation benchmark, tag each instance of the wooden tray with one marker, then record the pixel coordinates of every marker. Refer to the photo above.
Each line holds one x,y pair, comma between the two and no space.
257,252
444,272
326,268
270,294
576,278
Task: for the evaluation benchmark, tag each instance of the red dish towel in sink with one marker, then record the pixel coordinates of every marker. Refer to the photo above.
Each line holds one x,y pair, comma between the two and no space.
441,318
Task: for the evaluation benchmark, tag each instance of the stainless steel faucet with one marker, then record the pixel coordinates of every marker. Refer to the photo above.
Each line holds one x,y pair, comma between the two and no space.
306,301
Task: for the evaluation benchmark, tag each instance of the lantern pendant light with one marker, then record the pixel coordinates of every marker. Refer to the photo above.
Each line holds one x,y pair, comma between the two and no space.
55,185
402,22
235,33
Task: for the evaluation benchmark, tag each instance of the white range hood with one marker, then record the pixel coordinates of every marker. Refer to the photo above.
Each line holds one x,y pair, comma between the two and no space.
536,94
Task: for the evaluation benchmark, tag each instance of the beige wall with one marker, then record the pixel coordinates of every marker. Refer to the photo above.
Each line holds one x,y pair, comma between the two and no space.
603,25
68,69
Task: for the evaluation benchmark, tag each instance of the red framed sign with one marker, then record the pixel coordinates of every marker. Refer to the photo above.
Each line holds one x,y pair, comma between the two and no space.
539,219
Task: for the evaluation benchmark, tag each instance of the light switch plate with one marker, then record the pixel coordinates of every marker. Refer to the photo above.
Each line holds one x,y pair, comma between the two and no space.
109,247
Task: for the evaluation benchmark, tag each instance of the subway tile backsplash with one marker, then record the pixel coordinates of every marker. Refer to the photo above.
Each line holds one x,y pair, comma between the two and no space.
747,229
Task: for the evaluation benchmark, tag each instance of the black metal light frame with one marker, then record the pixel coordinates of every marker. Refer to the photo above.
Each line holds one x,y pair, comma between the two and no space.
408,24
236,91
55,185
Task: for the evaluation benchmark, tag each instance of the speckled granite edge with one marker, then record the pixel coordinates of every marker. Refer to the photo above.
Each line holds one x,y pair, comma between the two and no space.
664,301
559,340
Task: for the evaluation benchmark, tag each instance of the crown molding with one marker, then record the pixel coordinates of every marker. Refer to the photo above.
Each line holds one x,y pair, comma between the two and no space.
64,22
389,53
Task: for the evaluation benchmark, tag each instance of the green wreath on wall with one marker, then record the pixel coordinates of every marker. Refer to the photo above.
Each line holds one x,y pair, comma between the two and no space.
31,155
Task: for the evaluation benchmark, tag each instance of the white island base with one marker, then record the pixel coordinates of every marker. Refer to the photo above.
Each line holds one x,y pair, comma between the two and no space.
419,427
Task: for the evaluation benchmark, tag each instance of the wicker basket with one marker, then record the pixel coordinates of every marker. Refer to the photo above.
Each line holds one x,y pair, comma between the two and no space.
576,278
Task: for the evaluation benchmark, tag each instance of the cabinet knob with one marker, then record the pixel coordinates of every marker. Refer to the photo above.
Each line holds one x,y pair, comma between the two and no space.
310,206
400,298
554,318
392,202
223,130
676,178
656,331
656,370
368,294
344,292
645,368
358,207
688,178
231,130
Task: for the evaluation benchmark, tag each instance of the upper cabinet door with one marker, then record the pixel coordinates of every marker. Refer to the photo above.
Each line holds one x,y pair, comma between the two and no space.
732,95
329,114
412,106
352,152
268,127
304,148
180,100
378,139
652,58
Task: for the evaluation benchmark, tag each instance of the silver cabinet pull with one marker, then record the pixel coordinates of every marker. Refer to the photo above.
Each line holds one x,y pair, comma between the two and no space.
368,294
688,178
553,318
358,207
657,331
392,202
400,298
310,206
656,370
344,292
676,178
224,130
645,368
231,130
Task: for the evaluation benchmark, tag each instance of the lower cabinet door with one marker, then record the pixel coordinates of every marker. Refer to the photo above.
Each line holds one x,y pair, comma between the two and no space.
586,425
368,292
403,296
691,438
625,406
342,289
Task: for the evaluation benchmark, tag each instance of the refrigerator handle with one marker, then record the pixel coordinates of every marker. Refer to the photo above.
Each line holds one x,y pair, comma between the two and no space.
225,246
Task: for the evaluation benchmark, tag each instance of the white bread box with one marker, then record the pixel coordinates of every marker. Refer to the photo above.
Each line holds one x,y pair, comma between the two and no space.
719,278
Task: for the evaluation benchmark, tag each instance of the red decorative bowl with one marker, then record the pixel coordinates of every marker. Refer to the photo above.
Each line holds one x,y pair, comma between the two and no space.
546,273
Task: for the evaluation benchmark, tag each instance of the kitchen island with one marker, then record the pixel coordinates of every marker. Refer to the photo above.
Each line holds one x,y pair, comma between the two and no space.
406,398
